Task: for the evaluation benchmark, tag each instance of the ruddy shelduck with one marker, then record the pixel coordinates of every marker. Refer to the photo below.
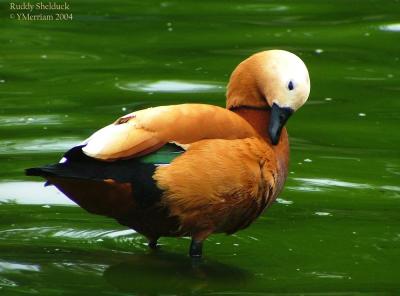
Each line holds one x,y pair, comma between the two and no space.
192,169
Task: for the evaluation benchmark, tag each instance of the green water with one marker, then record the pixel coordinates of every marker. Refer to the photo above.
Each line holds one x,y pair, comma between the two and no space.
336,227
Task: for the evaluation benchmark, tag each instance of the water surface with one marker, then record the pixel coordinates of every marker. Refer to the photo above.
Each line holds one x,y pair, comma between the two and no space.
335,229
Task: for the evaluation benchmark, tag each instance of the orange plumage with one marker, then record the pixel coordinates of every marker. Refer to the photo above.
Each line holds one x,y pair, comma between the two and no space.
234,164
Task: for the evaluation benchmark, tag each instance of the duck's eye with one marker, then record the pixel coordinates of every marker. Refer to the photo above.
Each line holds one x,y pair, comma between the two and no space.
290,85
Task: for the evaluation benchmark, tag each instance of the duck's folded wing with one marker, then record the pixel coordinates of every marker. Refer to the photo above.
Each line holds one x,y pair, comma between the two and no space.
145,131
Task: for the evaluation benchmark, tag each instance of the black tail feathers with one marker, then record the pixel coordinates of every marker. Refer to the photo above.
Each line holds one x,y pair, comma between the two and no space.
41,172
79,166
58,170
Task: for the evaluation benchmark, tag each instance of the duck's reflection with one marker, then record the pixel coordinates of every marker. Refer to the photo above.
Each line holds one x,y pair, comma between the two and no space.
167,273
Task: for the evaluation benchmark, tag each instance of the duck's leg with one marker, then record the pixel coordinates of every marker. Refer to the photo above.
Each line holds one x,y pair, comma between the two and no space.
152,243
196,246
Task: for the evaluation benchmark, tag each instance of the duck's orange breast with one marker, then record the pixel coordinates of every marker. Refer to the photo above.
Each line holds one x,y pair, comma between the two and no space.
221,185
259,120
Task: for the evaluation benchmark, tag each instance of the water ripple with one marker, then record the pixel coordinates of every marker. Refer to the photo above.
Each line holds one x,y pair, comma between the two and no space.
98,233
114,234
91,236
7,283
42,145
332,183
33,120
320,184
284,201
329,275
85,234
366,78
82,268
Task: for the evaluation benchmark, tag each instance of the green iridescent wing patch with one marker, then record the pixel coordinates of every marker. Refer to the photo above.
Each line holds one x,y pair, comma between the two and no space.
164,155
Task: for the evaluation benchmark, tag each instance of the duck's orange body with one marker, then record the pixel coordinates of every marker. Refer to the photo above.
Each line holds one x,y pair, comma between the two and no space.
217,185
223,179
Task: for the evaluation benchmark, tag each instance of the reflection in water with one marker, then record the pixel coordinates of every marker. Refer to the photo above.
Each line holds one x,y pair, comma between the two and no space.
170,86
82,272
391,188
391,27
322,214
11,266
262,7
168,273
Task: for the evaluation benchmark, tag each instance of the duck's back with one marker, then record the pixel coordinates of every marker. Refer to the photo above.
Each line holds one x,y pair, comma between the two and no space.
144,131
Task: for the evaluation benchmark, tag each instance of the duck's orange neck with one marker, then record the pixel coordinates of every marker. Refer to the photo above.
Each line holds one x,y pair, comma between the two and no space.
259,119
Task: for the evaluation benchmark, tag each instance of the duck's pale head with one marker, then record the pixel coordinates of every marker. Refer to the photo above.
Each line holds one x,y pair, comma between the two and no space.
275,79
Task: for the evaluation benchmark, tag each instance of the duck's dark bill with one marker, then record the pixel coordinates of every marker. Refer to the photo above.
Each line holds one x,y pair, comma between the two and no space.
279,116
